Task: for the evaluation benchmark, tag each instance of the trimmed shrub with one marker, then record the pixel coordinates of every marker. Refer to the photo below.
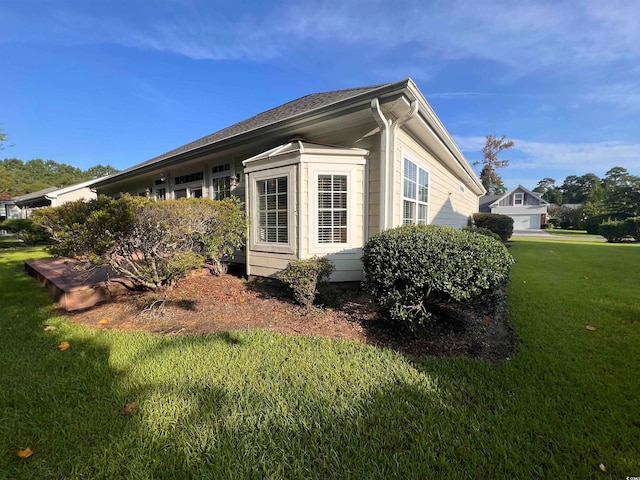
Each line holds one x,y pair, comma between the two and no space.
615,231
482,231
152,244
303,277
547,226
554,221
592,224
26,230
501,225
633,227
410,270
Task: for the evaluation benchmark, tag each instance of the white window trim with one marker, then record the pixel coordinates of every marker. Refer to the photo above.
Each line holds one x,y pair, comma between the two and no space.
335,169
190,187
166,193
515,199
421,166
217,176
254,244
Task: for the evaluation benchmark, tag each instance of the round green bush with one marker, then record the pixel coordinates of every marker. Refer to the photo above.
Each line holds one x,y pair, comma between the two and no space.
410,270
482,231
501,225
303,277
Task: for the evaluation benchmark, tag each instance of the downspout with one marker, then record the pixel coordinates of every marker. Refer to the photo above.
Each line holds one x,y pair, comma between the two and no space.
383,123
297,209
413,111
388,132
248,206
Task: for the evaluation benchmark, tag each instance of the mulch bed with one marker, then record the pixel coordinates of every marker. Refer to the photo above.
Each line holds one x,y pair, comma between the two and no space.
204,304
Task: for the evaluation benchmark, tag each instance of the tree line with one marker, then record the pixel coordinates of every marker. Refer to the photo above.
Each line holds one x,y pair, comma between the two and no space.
18,177
616,194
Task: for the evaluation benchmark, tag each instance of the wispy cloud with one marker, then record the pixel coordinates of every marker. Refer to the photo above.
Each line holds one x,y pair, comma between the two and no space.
523,37
624,96
461,95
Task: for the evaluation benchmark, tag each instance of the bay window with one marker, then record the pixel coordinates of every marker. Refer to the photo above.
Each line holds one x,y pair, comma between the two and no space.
332,209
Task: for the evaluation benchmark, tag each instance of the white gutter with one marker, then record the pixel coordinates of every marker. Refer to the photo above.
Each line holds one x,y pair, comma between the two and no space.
388,132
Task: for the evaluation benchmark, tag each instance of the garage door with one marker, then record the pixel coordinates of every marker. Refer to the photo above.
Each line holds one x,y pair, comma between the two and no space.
525,222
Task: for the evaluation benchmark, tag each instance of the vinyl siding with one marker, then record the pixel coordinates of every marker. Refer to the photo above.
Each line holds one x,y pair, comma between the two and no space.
80,194
448,206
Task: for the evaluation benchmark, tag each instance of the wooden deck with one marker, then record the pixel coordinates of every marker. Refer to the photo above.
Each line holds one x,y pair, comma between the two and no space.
71,287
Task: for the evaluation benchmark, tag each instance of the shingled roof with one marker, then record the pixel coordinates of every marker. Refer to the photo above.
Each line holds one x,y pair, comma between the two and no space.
283,112
27,197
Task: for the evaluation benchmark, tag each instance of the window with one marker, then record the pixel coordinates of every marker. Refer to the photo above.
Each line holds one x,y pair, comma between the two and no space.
180,193
518,198
221,181
221,168
415,207
221,187
332,209
192,177
272,209
161,193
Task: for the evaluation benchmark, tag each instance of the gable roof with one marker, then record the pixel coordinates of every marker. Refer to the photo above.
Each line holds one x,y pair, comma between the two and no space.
519,187
34,195
295,108
316,106
77,186
486,202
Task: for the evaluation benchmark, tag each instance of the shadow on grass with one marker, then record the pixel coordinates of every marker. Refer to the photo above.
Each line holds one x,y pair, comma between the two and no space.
256,405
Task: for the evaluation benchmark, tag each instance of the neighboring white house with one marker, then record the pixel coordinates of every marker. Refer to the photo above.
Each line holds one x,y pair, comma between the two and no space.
321,174
23,206
527,209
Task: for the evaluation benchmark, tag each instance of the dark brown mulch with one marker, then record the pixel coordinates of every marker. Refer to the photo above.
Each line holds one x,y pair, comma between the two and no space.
204,304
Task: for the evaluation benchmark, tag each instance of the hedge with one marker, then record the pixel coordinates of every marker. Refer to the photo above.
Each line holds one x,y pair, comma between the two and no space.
501,225
303,277
410,270
615,231
633,227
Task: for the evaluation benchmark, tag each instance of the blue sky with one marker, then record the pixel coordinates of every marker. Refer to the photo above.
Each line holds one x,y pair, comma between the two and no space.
116,82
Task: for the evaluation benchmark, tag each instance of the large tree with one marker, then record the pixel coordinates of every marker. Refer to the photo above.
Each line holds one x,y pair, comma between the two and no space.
18,177
3,139
621,192
580,189
549,190
490,162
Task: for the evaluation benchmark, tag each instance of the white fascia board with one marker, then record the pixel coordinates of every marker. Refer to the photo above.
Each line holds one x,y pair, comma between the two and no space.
72,188
457,160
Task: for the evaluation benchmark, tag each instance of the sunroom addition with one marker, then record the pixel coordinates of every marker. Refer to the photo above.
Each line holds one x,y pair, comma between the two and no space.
306,199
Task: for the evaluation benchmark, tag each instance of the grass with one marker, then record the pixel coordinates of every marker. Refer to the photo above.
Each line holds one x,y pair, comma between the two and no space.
10,241
577,234
261,405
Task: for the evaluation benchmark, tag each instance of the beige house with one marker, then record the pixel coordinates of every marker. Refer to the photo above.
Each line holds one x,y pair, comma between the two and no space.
23,206
527,209
321,174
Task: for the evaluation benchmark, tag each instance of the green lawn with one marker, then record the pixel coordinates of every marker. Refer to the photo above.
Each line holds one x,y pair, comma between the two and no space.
10,241
261,405
577,234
